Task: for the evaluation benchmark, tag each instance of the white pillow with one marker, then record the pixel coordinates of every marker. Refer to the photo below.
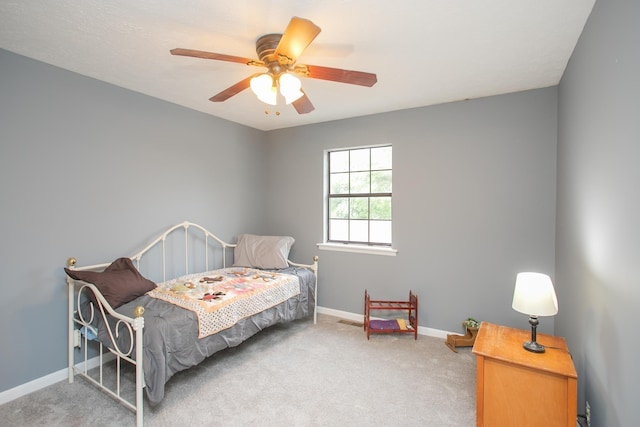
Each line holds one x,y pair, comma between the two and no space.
266,252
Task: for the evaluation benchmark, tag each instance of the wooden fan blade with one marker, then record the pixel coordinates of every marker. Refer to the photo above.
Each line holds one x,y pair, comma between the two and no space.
337,75
303,104
295,39
232,90
217,56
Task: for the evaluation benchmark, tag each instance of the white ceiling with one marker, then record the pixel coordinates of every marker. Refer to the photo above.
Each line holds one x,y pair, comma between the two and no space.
424,52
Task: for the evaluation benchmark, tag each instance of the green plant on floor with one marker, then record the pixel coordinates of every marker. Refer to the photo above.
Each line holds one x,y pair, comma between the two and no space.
471,323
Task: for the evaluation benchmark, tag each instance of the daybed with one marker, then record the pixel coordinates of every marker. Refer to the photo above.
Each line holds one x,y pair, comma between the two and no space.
187,317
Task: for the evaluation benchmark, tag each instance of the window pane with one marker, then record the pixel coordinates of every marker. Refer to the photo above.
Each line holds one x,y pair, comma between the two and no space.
339,229
355,176
360,160
381,231
339,183
338,161
339,207
360,182
380,208
381,158
359,231
381,182
359,208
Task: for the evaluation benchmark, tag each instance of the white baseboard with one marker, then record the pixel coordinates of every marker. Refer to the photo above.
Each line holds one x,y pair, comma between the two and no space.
31,386
62,374
47,380
358,317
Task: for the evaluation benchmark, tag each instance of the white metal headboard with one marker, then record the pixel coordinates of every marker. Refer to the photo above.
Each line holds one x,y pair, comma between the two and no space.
185,225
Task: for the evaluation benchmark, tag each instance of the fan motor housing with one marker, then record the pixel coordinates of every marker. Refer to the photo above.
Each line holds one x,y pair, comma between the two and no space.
266,47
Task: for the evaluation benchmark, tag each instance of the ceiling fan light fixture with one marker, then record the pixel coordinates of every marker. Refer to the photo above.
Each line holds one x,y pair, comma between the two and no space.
262,85
290,87
279,53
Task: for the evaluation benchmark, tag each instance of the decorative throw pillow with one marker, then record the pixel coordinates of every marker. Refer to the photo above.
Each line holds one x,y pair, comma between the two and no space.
265,252
119,283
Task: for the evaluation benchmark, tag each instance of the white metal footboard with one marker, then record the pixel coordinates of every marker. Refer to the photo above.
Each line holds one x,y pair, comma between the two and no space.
132,326
79,291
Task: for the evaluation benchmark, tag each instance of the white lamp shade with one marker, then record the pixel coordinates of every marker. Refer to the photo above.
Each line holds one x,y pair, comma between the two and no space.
264,89
534,295
290,87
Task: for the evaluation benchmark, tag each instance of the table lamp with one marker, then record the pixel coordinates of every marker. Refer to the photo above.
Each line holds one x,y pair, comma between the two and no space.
534,295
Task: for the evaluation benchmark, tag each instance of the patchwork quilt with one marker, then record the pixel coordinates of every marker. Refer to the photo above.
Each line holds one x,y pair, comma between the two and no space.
221,297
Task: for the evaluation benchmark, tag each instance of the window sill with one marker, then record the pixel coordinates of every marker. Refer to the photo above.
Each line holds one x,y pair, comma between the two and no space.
361,249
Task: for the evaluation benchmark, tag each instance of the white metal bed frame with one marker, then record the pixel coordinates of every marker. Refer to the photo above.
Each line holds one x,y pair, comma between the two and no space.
132,325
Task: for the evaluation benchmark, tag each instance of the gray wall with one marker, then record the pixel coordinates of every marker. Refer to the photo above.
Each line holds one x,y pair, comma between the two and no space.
473,205
598,237
93,171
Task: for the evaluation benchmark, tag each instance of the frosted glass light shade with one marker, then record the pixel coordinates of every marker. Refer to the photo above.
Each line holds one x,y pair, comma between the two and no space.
264,89
290,87
534,295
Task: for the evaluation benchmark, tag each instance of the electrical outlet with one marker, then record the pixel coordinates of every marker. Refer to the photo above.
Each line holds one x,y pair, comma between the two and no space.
76,337
587,414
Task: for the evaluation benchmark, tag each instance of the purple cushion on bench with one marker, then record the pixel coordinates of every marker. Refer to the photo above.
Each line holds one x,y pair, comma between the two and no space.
384,324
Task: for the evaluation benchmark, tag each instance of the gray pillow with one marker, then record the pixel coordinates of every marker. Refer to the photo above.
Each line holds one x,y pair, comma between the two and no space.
266,252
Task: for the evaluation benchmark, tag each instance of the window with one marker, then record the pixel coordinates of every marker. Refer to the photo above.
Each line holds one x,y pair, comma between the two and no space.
359,196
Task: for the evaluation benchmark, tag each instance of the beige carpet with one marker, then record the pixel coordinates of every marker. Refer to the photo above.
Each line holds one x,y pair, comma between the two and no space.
298,374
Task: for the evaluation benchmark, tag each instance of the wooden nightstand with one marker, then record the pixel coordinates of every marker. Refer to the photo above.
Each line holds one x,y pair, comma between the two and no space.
516,387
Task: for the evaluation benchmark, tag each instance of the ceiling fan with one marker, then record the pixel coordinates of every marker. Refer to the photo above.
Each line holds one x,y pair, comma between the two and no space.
278,53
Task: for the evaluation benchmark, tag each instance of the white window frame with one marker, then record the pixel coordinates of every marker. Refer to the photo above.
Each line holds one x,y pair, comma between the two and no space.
347,246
